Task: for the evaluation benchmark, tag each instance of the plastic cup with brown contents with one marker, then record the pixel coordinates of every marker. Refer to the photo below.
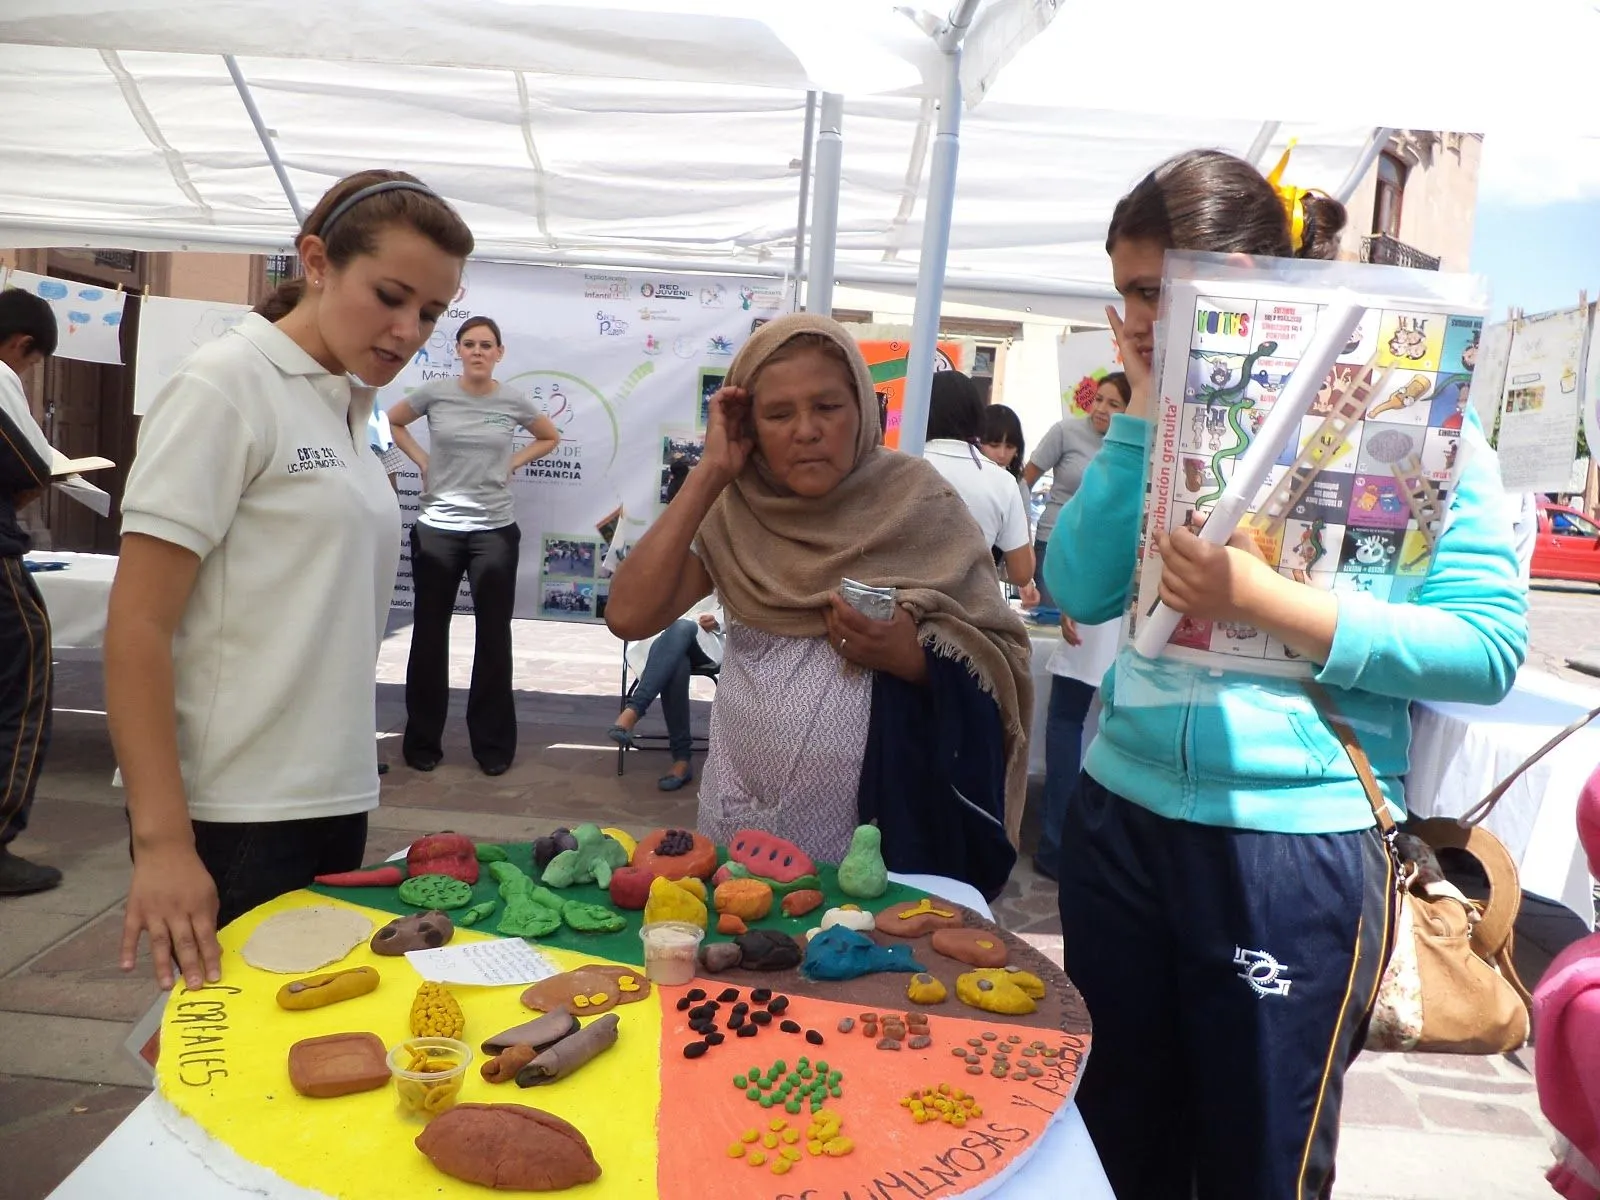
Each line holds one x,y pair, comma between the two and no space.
428,1073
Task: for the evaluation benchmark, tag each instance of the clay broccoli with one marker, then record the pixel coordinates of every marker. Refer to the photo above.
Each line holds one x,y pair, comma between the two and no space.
593,861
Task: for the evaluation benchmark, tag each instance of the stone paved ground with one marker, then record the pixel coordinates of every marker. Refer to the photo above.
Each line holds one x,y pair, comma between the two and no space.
1415,1126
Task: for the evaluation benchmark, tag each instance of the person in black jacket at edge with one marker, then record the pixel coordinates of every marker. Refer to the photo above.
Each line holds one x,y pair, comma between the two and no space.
27,336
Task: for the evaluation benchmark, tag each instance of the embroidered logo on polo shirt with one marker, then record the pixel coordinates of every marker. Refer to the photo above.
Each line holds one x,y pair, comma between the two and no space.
316,458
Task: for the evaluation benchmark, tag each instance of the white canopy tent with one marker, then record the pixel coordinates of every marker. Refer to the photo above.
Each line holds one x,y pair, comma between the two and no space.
670,134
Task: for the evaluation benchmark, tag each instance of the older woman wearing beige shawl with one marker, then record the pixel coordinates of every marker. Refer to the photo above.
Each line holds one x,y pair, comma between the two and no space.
825,718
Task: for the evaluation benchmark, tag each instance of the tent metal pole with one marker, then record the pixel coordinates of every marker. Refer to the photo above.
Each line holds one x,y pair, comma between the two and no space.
805,190
935,236
1263,143
1369,155
829,169
266,138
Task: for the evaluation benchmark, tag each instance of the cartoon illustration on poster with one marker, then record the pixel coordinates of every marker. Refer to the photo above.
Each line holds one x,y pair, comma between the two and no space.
887,362
1357,491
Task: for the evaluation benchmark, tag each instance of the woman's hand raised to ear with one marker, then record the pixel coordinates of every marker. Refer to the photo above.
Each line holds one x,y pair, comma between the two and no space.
1133,366
728,435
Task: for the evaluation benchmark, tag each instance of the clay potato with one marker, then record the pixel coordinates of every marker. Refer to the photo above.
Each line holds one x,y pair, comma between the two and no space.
509,1146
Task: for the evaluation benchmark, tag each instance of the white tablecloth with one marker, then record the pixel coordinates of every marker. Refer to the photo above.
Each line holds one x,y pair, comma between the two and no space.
145,1160
1459,752
76,599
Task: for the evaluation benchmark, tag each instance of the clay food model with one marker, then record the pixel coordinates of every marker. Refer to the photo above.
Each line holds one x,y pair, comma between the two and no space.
676,854
595,857
552,844
925,989
510,1147
913,920
385,876
588,990
525,914
862,873
423,931
591,918
449,854
717,957
471,916
747,899
436,1013
436,891
850,917
996,990
630,887
339,1064
540,1033
768,950
840,953
975,947
503,1067
571,1053
319,991
770,858
798,904
676,900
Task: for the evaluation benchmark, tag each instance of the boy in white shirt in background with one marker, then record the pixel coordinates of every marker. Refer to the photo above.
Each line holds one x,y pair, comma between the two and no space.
27,337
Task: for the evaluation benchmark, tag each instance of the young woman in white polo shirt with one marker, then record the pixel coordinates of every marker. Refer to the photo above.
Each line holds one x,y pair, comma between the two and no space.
955,423
260,539
467,526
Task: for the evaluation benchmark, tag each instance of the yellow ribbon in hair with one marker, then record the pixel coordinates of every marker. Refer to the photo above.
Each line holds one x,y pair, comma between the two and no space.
1293,198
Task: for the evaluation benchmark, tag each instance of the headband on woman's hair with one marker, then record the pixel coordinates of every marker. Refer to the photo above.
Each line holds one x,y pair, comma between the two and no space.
366,193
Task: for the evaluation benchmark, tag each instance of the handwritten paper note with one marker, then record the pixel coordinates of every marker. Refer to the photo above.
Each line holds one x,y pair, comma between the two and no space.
498,963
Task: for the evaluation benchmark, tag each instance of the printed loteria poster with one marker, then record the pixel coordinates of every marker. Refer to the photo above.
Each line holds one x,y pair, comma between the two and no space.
88,317
1541,402
1356,495
623,362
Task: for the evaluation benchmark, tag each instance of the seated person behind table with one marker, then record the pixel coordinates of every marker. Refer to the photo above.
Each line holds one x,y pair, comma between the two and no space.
824,718
693,641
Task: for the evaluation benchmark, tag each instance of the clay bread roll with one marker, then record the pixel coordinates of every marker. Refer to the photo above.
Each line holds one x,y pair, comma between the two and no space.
508,1146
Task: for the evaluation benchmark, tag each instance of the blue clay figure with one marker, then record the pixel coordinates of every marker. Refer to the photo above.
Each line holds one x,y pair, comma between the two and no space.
840,953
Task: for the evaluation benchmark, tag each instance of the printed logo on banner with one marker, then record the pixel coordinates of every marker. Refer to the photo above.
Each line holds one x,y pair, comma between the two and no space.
604,287
762,299
686,347
657,290
652,344
658,314
719,347
610,324
711,297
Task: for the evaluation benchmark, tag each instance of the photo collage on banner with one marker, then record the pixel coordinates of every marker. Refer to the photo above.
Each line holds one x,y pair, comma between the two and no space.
624,363
1357,485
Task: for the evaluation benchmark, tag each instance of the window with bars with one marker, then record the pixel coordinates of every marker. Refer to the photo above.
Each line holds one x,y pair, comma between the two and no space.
1386,204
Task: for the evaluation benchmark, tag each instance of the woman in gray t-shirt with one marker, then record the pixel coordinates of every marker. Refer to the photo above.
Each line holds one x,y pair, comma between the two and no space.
467,525
1064,451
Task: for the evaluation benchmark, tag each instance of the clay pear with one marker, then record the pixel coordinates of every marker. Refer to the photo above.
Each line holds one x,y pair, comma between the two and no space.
862,873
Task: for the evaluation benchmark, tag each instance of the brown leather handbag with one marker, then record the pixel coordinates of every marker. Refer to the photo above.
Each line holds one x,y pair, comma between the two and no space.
1450,985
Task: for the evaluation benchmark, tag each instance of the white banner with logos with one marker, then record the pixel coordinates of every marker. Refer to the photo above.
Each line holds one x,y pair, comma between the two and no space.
624,363
88,316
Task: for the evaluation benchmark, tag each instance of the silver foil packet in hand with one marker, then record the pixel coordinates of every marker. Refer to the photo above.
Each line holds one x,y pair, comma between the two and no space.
874,602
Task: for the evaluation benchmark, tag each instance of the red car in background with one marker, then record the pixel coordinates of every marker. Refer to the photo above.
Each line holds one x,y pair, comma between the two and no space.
1568,545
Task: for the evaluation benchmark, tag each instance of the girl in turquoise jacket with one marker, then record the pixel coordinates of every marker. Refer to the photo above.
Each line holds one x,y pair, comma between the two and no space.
1225,896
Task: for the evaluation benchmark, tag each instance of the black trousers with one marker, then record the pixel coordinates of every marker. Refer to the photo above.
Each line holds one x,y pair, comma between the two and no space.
253,862
439,558
1229,974
25,686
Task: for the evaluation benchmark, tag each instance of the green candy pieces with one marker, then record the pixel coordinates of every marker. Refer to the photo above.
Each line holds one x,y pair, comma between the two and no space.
477,913
436,891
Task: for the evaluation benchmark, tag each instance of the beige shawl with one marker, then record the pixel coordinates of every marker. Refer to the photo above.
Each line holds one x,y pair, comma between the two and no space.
892,522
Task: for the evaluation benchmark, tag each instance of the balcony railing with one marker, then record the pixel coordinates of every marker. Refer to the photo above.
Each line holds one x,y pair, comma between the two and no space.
1391,252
